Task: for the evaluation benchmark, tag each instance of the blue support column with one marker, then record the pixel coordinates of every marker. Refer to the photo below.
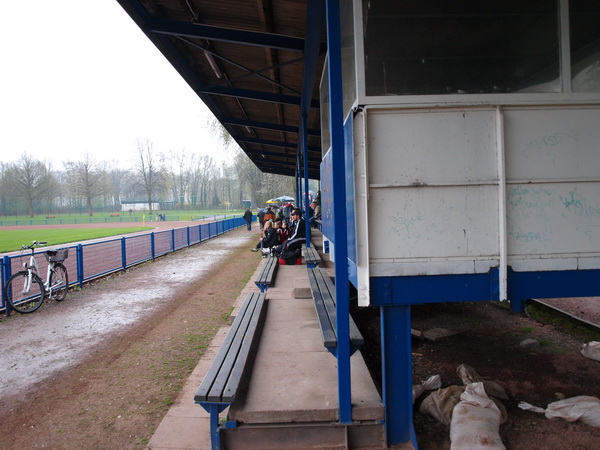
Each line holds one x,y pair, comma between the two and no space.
79,253
123,254
304,139
152,246
396,363
6,274
339,209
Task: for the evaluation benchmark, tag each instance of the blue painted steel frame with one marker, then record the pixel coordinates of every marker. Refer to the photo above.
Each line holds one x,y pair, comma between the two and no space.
412,290
396,363
339,209
214,409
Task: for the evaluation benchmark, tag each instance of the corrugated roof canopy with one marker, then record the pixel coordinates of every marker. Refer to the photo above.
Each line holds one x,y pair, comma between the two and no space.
251,62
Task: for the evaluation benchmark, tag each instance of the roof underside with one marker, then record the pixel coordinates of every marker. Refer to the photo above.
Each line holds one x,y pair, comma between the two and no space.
254,64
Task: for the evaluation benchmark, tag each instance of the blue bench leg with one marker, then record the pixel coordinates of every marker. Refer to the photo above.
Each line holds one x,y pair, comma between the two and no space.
214,409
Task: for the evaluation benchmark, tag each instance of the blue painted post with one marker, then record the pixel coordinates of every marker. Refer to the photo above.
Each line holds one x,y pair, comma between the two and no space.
172,239
123,254
7,272
79,253
152,246
305,153
188,235
517,306
396,363
199,233
339,209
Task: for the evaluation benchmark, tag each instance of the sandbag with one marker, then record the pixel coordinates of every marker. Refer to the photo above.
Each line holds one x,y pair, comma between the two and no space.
591,350
475,421
439,404
468,375
584,408
430,384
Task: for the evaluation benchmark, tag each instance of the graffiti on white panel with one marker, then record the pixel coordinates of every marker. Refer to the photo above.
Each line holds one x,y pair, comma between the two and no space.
542,214
406,227
531,209
579,206
552,140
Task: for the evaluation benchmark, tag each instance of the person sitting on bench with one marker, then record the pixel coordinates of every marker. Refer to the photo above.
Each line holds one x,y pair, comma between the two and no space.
296,239
270,239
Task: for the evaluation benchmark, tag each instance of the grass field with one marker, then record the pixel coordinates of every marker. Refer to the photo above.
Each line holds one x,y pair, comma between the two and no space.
11,240
182,215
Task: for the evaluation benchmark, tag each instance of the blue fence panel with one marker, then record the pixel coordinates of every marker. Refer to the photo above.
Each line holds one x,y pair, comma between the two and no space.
138,249
89,261
194,234
101,258
204,231
179,238
162,242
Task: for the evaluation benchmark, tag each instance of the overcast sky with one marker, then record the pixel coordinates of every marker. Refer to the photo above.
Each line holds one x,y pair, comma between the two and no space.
79,76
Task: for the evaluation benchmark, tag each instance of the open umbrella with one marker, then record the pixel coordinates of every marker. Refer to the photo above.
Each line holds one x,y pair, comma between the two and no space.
284,198
272,201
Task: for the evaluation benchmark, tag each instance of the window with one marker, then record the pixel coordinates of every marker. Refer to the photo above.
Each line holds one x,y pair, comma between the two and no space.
462,46
584,25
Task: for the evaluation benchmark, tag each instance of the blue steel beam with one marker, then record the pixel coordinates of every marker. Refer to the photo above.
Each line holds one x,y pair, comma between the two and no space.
249,72
162,41
276,144
254,38
336,118
254,95
267,126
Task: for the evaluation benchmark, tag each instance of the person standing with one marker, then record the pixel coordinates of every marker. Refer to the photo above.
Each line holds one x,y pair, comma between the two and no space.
269,214
261,218
248,218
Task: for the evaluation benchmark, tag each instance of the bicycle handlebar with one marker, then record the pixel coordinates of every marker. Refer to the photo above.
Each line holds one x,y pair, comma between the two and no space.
33,244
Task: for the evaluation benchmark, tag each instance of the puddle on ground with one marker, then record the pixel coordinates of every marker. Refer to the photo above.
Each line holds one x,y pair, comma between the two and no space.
37,345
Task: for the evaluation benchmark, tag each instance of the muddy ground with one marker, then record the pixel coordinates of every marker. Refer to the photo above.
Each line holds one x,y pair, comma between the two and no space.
101,369
113,393
486,336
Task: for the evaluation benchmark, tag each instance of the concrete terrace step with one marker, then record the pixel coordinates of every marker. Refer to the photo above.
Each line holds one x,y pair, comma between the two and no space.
292,396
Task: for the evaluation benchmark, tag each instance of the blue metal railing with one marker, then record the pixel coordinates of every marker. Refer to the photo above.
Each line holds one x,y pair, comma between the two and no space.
98,259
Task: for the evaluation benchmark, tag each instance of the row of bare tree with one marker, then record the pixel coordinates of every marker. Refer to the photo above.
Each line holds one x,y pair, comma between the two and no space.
186,180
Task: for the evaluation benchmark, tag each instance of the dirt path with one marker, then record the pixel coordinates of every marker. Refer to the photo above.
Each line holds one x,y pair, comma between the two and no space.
101,369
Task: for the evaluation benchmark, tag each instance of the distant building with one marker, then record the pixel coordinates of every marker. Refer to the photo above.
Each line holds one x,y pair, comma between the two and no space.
138,206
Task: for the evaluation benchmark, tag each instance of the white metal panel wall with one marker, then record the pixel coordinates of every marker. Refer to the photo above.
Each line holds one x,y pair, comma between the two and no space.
433,191
441,182
553,187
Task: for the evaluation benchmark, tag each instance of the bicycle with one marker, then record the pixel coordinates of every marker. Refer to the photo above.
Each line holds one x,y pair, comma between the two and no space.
25,290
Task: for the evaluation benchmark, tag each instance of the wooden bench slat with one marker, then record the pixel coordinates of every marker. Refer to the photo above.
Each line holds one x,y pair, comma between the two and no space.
311,255
216,391
249,343
266,277
355,335
323,291
207,382
327,330
215,381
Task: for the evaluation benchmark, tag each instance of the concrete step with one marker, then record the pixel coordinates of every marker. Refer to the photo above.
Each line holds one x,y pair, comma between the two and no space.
292,392
305,436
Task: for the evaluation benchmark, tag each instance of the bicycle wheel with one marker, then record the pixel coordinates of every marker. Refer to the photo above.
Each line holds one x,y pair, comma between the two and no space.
59,282
22,296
